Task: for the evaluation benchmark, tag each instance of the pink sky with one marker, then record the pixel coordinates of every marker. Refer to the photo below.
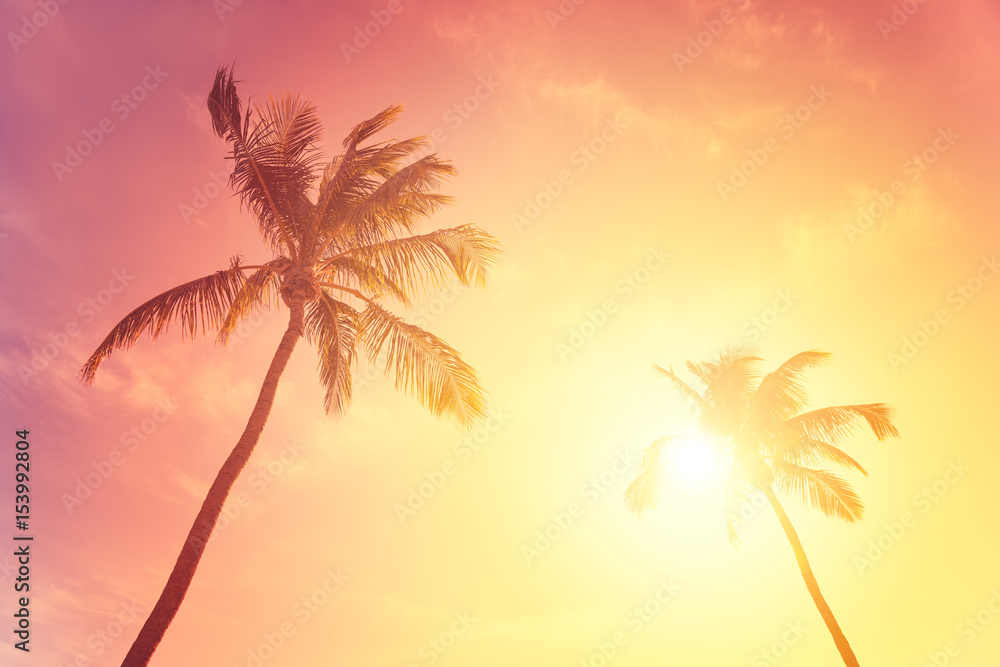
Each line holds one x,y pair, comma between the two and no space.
515,97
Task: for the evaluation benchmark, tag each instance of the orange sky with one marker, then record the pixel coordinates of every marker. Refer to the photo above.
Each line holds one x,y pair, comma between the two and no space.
667,179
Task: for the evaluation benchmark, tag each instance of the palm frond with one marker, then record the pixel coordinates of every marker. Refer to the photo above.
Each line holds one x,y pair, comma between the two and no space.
689,395
259,294
367,128
297,130
729,383
821,489
781,393
367,278
803,450
348,176
199,305
384,209
225,107
333,326
415,263
423,365
834,423
270,176
641,495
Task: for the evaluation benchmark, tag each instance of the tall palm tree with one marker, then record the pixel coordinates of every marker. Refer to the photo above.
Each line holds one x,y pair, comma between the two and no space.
758,422
342,238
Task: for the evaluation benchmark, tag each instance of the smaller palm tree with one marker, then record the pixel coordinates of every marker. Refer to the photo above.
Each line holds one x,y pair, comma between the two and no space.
758,422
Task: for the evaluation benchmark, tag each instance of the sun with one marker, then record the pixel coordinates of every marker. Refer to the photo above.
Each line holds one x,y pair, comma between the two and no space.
695,464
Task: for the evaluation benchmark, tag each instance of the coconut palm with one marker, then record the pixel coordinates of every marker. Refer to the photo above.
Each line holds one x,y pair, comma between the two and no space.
774,446
342,238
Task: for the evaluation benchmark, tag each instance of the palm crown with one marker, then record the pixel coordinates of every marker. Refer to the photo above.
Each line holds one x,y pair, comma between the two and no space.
342,236
758,422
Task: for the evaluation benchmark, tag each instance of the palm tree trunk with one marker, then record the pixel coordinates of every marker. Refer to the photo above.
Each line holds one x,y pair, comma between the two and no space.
187,562
824,609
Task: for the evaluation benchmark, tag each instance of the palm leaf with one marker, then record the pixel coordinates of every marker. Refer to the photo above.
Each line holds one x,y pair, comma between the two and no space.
781,393
823,490
288,155
199,305
346,177
688,394
834,423
371,280
802,450
423,365
297,130
641,494
265,182
333,327
385,208
728,386
258,295
417,262
225,107
366,128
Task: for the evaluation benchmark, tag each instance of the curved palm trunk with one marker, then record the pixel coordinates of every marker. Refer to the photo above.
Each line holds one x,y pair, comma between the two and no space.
824,609
187,562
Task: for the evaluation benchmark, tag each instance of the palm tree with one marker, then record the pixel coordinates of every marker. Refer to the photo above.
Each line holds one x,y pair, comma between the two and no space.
342,238
758,422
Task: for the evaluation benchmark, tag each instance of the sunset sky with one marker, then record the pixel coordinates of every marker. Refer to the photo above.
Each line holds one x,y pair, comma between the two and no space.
666,179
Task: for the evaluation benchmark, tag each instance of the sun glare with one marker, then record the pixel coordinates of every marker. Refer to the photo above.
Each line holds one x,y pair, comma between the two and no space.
695,465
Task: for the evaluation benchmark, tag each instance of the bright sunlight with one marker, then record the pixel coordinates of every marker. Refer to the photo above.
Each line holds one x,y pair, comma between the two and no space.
695,465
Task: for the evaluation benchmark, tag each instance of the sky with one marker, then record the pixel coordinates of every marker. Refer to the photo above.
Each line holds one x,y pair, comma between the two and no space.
666,180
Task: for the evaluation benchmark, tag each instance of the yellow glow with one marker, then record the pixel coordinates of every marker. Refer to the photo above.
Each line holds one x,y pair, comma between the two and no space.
695,464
